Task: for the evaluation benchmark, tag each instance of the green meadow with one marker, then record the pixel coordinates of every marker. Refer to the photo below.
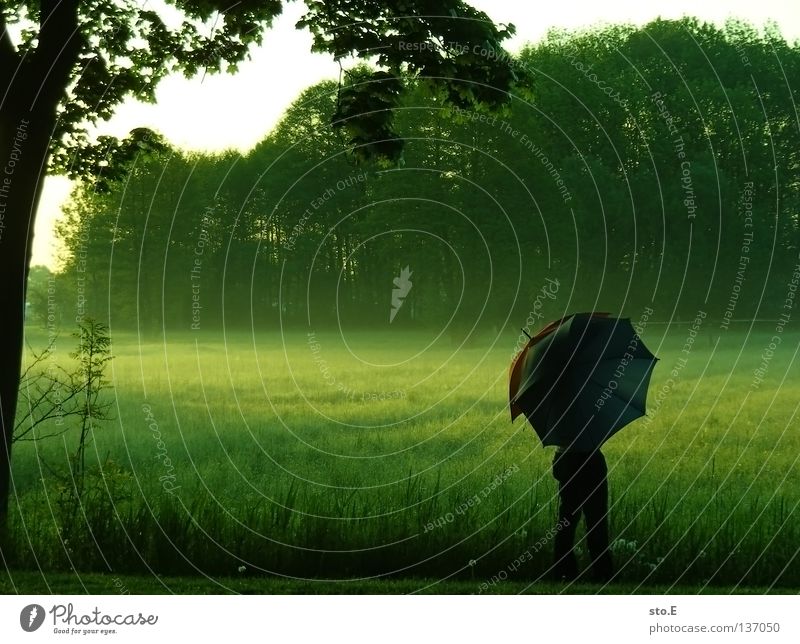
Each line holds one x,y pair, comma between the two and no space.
354,456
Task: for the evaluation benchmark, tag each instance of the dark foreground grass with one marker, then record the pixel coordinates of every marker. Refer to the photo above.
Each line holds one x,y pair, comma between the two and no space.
33,583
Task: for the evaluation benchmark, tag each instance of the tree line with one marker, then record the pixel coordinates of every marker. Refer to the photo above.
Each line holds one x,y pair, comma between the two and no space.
652,166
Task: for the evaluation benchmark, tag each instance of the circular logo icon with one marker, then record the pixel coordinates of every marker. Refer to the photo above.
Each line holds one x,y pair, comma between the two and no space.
31,617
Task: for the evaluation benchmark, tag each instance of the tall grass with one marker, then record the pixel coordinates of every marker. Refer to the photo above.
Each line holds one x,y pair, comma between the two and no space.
333,459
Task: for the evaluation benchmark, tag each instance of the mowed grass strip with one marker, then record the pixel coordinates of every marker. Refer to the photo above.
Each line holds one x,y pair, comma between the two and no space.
33,583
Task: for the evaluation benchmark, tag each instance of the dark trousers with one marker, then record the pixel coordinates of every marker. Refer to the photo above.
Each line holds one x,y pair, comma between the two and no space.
583,489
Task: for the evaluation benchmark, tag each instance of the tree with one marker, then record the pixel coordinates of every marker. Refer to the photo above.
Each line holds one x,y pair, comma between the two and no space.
41,301
49,394
93,355
65,65
592,194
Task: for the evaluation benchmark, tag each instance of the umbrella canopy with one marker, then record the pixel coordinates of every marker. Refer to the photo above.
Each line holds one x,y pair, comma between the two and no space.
515,373
581,379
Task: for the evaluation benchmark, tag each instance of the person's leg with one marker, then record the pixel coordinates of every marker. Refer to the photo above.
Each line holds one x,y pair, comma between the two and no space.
565,565
596,510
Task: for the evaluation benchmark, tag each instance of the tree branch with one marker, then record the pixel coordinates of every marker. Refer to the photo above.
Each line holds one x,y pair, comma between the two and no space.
9,58
57,53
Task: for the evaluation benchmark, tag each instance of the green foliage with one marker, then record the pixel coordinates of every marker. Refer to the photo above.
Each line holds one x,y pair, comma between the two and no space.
40,297
93,354
365,110
114,50
583,185
90,56
452,47
109,159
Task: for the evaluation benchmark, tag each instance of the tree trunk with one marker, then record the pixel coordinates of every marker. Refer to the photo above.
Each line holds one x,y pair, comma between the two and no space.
34,82
24,139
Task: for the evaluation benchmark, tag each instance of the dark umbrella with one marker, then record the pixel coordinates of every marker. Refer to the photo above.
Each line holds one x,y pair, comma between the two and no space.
581,379
515,373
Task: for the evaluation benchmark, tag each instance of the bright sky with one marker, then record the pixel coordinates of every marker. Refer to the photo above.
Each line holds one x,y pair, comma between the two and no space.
224,111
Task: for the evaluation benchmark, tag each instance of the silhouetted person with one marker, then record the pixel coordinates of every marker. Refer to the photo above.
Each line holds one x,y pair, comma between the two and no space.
583,489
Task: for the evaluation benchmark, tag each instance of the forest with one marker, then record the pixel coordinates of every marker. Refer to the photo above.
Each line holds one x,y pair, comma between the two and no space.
639,165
